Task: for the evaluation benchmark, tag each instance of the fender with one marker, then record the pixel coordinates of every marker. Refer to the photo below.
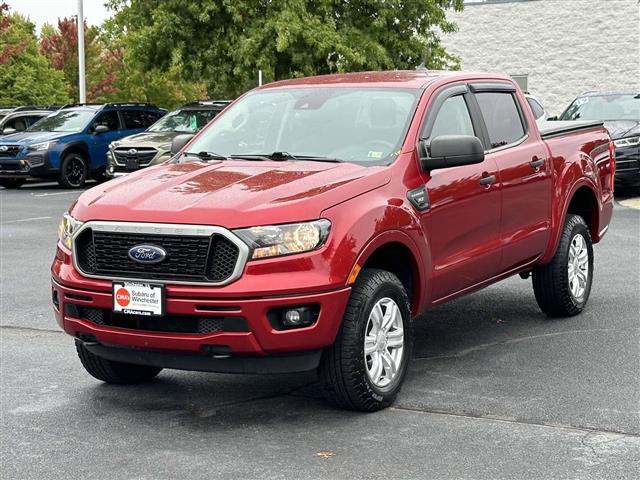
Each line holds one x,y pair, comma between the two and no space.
559,214
420,274
75,145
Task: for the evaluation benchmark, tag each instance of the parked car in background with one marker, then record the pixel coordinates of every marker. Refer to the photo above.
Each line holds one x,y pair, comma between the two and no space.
539,112
71,144
310,222
20,118
620,112
153,145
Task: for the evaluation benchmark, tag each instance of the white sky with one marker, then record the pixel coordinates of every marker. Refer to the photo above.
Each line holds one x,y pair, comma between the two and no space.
43,11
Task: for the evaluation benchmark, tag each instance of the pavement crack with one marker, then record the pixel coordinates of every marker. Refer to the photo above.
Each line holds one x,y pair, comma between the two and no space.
30,329
485,346
497,418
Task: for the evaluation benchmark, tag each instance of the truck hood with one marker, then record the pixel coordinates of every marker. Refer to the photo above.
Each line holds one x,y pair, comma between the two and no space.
29,138
622,128
228,193
147,139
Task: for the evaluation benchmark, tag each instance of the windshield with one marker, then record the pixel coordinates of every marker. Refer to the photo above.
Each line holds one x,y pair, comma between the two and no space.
604,107
364,125
187,121
70,121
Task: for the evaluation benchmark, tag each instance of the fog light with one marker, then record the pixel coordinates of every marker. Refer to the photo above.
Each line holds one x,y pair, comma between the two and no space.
292,317
111,169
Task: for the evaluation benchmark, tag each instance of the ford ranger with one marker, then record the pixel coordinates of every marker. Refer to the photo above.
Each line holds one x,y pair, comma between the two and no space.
308,224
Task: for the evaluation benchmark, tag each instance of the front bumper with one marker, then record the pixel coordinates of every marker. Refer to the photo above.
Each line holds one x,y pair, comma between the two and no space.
628,166
260,338
34,164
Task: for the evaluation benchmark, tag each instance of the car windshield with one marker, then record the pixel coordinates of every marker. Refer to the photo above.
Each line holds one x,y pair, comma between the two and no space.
187,121
604,107
363,125
69,121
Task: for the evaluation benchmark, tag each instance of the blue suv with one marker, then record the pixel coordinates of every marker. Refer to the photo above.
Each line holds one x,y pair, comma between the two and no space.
71,144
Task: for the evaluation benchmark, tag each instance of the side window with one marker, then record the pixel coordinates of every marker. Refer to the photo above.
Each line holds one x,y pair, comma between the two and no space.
18,123
453,118
109,119
33,119
536,108
134,119
501,117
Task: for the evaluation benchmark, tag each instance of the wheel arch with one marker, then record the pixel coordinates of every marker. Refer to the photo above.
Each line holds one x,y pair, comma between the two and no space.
396,252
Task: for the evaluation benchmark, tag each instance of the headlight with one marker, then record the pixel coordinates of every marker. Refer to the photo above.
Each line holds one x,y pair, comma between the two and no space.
113,145
277,240
627,142
68,226
166,147
39,147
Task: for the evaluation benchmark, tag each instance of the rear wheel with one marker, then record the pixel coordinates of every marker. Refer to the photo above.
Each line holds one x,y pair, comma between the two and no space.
73,171
563,285
114,372
11,183
365,367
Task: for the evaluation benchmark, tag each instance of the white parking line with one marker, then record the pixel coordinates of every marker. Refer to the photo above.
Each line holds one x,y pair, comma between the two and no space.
77,192
25,220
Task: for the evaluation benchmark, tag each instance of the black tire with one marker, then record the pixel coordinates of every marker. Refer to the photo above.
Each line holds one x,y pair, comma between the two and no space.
114,372
343,369
73,171
12,183
551,283
100,175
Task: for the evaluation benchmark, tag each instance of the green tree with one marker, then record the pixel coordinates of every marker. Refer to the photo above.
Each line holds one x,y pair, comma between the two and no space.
225,42
25,75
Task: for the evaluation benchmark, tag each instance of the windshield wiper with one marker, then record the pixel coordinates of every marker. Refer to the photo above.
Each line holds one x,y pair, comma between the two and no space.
282,156
206,155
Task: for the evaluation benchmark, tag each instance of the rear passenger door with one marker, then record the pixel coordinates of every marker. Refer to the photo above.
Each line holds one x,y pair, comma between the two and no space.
462,223
524,173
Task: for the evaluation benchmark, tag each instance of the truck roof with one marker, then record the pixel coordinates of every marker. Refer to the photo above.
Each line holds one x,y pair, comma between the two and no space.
418,78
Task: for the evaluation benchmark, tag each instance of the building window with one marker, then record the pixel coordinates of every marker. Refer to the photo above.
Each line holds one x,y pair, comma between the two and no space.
522,81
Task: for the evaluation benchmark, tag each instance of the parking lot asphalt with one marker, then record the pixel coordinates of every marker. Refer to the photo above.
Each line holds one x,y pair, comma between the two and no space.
495,389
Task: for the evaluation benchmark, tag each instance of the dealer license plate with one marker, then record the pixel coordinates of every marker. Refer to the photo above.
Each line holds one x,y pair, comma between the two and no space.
138,298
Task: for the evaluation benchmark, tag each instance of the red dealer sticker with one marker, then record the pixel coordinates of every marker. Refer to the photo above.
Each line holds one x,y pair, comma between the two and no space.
138,298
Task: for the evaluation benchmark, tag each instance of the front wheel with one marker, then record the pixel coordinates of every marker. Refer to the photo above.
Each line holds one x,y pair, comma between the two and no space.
73,171
365,367
563,285
114,372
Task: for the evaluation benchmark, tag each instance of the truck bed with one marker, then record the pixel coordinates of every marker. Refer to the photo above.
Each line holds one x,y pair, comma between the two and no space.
559,127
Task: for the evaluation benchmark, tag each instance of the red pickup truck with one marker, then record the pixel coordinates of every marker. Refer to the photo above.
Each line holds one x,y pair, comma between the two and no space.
313,219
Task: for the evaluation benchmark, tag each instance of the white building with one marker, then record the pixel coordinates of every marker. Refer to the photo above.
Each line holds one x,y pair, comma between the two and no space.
556,49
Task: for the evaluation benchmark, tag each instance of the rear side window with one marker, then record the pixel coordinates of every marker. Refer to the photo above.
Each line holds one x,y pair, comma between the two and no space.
139,118
453,118
536,108
501,117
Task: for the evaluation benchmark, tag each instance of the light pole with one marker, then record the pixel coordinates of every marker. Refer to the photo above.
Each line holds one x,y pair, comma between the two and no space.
81,79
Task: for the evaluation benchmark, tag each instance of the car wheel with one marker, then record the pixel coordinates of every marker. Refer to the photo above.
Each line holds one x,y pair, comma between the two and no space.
114,372
563,285
365,367
100,175
11,183
73,171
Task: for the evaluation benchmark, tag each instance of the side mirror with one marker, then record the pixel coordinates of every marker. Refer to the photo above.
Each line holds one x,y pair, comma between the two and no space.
452,151
98,129
8,131
180,141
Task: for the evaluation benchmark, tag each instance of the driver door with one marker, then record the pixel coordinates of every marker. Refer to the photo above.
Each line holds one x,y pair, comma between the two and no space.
99,142
462,223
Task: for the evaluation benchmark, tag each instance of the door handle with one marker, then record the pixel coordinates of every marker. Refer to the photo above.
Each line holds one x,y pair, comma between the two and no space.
488,180
536,163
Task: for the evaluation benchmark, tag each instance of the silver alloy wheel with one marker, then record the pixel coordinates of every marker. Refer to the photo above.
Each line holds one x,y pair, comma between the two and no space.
578,266
384,342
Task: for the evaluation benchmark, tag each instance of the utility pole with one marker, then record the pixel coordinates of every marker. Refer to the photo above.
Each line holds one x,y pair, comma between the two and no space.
81,79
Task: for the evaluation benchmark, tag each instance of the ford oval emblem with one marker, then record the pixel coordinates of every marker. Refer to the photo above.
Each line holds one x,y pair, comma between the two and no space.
147,254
